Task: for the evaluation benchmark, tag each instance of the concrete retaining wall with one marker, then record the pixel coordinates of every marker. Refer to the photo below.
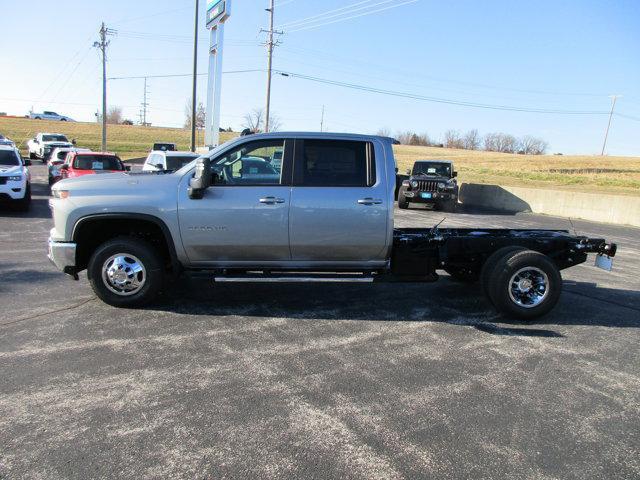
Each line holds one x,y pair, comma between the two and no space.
618,209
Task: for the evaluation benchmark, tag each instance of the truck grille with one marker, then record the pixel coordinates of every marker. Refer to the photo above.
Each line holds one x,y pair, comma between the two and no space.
3,180
427,185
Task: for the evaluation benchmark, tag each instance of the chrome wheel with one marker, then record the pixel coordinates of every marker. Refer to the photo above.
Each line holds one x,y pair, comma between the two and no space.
123,274
528,287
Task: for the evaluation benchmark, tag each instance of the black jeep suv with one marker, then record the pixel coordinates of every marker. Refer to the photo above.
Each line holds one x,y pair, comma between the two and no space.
432,182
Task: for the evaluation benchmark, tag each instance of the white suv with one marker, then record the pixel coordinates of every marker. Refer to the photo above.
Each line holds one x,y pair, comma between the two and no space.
15,179
159,160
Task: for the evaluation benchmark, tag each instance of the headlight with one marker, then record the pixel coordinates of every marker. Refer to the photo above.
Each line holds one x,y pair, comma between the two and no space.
62,194
15,178
414,184
441,186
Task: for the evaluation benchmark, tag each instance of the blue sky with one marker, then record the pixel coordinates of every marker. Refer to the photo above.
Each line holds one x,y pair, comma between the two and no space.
543,54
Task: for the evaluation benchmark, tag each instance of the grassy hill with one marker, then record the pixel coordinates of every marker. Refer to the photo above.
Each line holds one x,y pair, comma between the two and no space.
575,172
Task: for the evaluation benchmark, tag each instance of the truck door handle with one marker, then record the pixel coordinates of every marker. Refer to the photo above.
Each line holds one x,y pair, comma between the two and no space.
369,201
271,200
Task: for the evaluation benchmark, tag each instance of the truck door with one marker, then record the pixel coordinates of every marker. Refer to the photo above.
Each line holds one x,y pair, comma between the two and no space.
339,202
244,215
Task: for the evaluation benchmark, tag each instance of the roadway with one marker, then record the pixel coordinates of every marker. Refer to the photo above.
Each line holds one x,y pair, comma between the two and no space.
317,380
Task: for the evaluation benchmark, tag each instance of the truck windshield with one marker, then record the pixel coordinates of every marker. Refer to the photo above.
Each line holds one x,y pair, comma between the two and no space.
97,162
432,168
54,138
8,158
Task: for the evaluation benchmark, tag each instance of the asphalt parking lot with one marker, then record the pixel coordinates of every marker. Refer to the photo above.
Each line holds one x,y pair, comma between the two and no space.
317,380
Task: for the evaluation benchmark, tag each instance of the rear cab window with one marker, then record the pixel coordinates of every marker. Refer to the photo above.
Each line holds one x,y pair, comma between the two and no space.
334,163
97,162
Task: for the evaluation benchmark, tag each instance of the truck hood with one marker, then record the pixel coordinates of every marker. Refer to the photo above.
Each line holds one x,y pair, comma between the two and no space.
10,169
108,185
431,178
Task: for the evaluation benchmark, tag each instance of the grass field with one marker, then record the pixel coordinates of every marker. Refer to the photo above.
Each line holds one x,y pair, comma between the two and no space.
575,172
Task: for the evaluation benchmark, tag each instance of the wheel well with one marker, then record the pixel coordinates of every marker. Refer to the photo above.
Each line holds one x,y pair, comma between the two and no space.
91,233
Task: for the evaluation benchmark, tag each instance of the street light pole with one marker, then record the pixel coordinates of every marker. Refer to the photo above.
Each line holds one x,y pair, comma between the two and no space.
195,82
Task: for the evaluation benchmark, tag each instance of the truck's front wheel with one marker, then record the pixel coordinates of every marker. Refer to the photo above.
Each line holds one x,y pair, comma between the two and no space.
125,272
525,284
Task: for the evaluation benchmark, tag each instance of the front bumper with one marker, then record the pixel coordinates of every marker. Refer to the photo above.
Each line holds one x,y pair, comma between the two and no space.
414,196
13,191
62,255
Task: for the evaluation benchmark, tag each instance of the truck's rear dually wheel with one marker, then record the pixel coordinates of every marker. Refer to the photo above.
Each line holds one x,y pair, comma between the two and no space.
125,272
524,284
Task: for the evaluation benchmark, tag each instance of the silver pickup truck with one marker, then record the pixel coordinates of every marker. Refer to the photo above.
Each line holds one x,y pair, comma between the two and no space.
290,204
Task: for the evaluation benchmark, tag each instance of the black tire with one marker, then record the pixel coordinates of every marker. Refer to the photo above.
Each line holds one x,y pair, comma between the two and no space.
38,118
24,204
133,247
450,206
403,203
63,119
502,292
463,275
490,264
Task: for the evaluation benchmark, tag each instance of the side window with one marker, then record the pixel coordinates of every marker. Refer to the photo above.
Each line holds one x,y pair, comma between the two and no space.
251,164
336,163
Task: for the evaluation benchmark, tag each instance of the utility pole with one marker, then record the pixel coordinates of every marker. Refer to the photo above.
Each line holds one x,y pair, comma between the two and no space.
102,45
322,119
144,105
195,82
606,133
270,45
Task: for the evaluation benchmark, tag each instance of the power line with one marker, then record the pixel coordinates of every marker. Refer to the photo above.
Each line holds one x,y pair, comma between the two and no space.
184,74
302,20
438,99
342,19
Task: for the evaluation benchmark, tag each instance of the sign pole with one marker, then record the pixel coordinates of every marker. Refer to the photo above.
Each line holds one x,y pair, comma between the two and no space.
217,13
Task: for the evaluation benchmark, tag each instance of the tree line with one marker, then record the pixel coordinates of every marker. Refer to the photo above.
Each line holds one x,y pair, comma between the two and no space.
472,140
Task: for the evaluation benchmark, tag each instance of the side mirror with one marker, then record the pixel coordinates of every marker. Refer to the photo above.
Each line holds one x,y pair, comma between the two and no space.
35,140
201,179
127,168
408,171
65,167
454,174
158,166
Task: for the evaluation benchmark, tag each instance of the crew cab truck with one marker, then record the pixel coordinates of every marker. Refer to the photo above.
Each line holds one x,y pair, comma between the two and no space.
431,182
328,210
42,145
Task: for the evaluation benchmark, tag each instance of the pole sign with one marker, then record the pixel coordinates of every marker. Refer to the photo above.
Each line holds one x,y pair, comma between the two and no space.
217,12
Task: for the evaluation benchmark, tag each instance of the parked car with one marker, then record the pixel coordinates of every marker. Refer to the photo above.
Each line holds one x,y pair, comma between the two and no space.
78,164
6,141
49,115
431,182
330,210
43,144
15,179
167,160
164,147
57,159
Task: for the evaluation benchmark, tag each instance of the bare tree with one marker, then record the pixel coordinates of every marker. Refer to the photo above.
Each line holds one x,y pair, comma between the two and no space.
500,142
471,140
254,121
201,115
412,138
532,145
383,132
452,139
114,115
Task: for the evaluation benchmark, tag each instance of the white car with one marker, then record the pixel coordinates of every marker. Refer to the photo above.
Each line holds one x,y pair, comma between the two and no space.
48,115
159,160
43,144
15,179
